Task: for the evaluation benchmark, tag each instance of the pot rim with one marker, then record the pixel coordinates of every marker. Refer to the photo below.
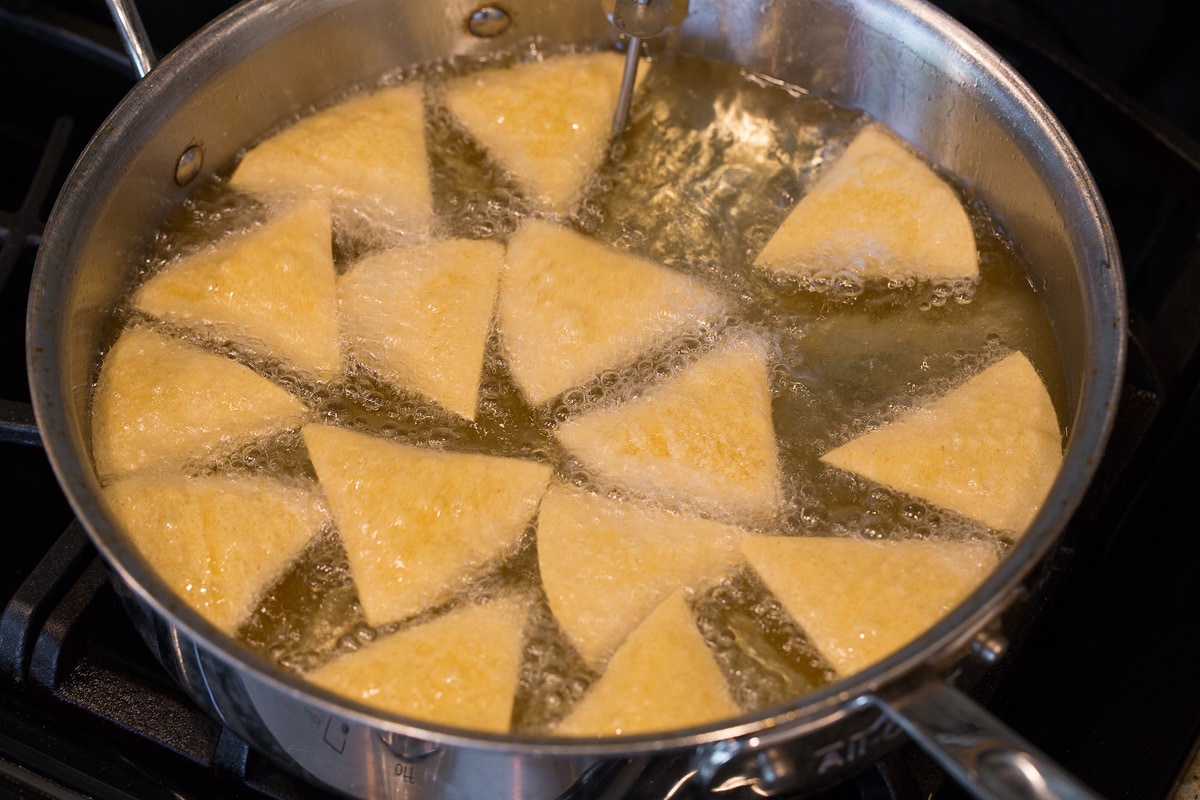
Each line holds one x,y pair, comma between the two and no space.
51,391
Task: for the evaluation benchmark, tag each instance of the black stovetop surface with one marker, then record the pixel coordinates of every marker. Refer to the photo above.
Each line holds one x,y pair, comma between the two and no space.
1103,678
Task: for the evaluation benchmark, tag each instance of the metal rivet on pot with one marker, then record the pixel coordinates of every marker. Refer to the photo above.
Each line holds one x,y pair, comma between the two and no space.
988,647
189,164
488,21
407,748
776,770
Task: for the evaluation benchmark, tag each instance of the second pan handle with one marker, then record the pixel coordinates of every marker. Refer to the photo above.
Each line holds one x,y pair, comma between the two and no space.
133,35
984,755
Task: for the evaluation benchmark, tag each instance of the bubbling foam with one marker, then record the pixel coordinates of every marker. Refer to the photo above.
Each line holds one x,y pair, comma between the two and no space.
713,161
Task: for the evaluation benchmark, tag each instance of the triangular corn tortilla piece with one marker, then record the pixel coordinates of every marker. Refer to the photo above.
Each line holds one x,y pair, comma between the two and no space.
570,307
367,152
273,289
989,449
418,524
160,402
605,564
701,438
217,541
419,316
859,600
880,213
460,669
548,122
661,678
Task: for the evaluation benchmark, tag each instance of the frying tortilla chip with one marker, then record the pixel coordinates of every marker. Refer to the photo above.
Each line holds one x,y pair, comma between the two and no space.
272,289
879,213
418,524
367,152
460,669
546,122
218,541
605,565
420,316
860,600
988,450
570,307
663,677
703,437
160,402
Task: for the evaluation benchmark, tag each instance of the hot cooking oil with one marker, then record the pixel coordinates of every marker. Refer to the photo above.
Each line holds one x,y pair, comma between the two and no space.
712,162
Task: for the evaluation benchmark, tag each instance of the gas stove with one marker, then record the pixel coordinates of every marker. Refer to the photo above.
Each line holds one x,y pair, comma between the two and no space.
1102,677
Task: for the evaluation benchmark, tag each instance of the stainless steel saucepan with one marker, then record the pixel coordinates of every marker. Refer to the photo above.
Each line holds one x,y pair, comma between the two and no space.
903,62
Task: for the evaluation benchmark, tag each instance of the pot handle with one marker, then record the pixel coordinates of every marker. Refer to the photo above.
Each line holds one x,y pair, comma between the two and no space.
984,755
133,35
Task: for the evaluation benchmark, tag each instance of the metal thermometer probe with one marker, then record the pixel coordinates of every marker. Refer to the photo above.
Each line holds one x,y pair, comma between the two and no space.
639,19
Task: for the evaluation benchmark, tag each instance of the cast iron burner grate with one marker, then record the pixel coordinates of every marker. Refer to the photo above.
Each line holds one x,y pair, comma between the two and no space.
85,711
21,233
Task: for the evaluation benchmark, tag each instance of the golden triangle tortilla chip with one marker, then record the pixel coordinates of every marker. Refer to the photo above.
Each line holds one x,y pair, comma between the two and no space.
419,316
460,669
989,449
548,123
663,677
272,289
605,565
160,402
569,308
418,524
367,152
703,437
859,600
218,541
879,212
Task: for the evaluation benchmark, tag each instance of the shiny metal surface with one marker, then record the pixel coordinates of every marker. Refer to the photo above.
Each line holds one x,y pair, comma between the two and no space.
643,19
133,35
979,750
903,62
628,82
191,161
488,21
639,19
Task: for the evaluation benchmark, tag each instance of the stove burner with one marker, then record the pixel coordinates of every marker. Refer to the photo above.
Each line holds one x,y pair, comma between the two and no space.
21,231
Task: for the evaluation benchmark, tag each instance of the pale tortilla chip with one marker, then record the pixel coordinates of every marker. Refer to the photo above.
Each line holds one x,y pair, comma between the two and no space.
218,541
548,122
160,402
460,669
418,524
703,437
989,450
419,316
272,289
367,152
569,307
879,213
859,600
663,677
605,565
